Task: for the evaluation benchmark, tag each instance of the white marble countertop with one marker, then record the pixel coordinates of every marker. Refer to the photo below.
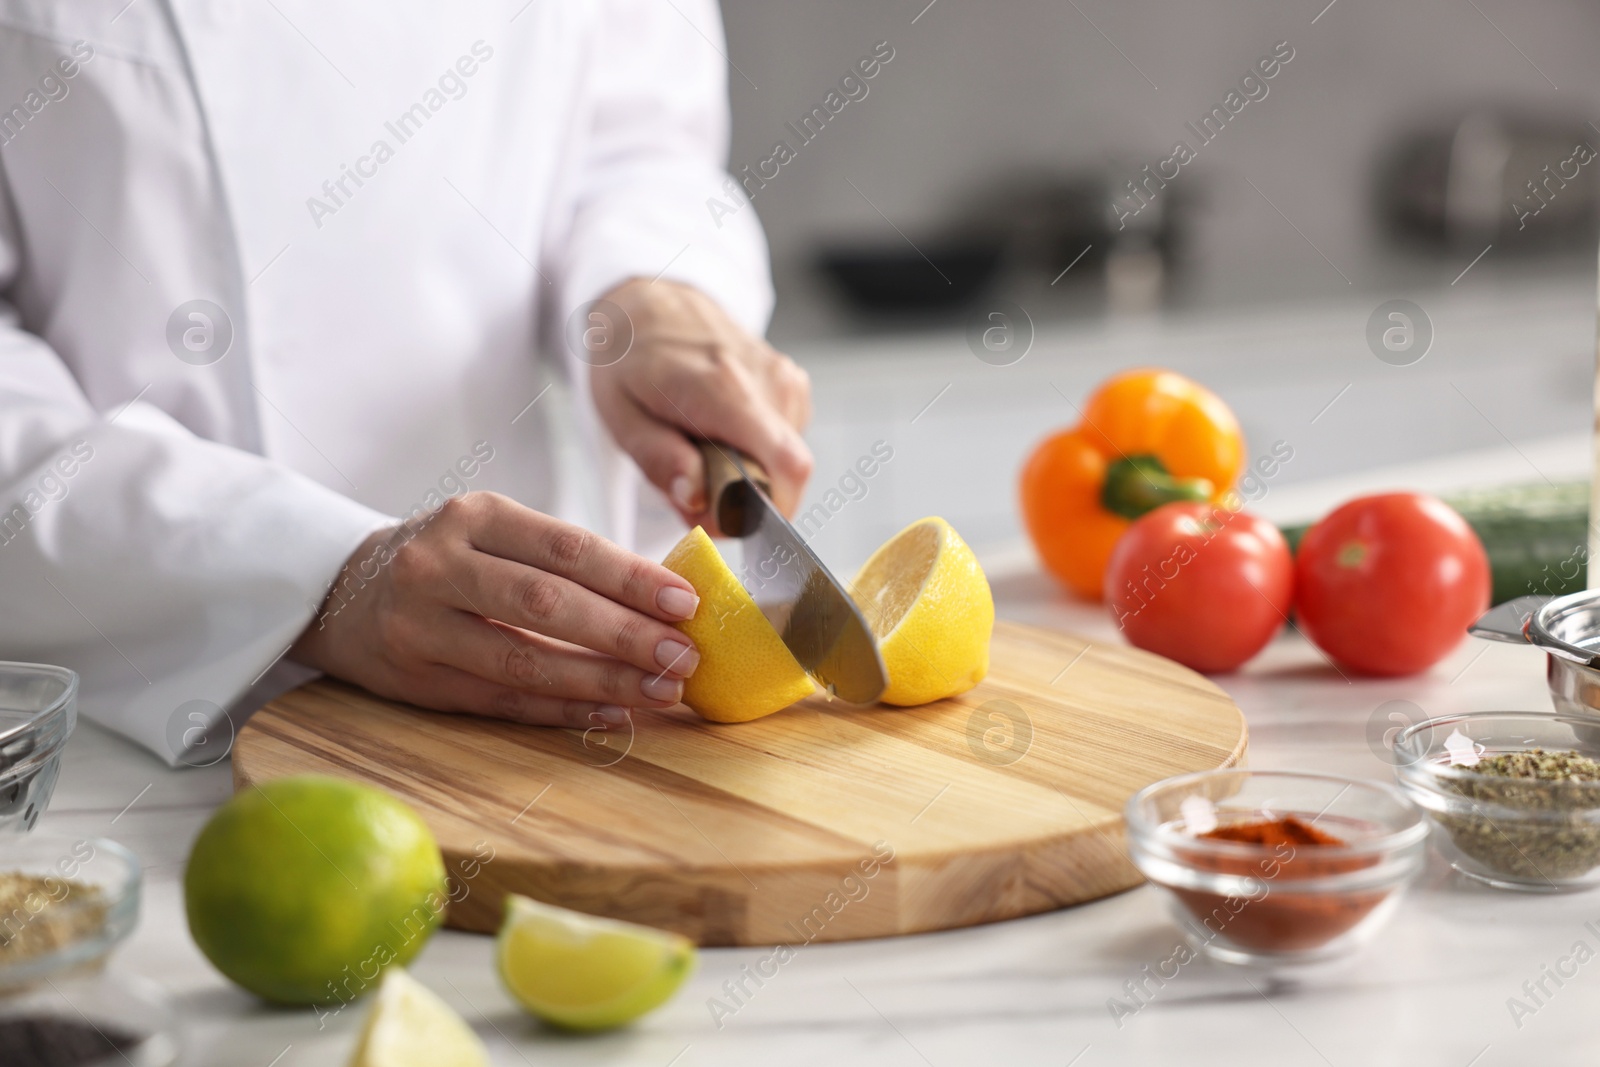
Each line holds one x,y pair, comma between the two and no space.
1433,989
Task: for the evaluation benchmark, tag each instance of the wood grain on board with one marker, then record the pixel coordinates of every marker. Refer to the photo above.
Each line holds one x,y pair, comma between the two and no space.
818,823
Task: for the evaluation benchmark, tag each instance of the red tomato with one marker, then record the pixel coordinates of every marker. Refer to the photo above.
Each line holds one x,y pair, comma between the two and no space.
1388,584
1200,584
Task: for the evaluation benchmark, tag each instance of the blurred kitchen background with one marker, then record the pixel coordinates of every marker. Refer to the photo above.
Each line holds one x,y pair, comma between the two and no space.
1389,159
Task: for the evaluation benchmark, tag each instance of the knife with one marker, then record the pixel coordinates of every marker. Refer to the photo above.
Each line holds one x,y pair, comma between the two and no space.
800,597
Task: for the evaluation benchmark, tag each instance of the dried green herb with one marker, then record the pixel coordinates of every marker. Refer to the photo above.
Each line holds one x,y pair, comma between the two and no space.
1536,764
1562,841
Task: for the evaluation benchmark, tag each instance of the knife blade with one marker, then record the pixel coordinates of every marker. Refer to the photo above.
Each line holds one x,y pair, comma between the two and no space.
818,621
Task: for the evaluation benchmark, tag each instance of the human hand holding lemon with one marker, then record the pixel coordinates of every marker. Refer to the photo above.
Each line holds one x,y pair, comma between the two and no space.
315,890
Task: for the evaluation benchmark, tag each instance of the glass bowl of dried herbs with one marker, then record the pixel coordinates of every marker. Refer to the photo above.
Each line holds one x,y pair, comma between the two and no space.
38,709
65,904
1515,795
1275,869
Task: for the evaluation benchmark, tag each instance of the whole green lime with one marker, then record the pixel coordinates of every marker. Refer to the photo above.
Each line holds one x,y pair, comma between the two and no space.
303,889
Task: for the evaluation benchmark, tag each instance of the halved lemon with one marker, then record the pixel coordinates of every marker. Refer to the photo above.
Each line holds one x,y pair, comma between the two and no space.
928,602
409,1026
745,671
583,972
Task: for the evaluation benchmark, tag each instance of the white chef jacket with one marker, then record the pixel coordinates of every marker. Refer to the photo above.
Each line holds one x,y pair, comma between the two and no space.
386,213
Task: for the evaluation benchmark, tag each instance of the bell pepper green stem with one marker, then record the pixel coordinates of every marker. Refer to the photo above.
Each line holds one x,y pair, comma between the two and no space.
1137,484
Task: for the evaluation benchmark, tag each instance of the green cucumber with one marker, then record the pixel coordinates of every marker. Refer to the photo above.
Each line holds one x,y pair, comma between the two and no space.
1536,535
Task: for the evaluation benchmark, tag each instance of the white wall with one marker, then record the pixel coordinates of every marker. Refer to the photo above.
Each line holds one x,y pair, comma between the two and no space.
980,87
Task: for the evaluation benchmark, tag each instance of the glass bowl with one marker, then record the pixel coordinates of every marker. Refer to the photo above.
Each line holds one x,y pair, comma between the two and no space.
55,987
1276,905
1536,836
97,921
38,709
134,1019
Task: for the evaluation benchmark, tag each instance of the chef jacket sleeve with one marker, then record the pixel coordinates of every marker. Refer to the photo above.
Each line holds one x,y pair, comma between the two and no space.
651,195
168,571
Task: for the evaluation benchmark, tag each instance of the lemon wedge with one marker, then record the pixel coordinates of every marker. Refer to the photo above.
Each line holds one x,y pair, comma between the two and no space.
928,602
745,671
409,1026
582,972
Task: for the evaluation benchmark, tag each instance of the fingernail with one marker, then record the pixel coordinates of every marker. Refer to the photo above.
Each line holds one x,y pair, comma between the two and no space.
677,602
677,657
659,687
685,493
612,714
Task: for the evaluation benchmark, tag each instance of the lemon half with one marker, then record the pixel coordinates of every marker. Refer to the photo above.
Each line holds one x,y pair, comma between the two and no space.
409,1026
745,671
928,602
583,972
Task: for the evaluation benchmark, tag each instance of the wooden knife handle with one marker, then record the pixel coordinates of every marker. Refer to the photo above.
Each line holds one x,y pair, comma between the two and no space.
726,487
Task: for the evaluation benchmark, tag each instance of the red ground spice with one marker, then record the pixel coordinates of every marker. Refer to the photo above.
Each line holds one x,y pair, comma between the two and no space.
1280,920
1285,831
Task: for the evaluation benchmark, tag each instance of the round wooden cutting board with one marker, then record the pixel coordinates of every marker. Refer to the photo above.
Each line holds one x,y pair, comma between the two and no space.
819,823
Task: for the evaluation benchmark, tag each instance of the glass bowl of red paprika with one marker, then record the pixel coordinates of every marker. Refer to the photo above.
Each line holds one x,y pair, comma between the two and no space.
1276,869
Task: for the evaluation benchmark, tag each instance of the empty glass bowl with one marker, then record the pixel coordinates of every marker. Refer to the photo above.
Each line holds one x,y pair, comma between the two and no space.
38,709
1512,833
1284,900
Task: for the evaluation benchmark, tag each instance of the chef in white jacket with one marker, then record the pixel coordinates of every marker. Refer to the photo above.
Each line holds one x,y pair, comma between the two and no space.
301,361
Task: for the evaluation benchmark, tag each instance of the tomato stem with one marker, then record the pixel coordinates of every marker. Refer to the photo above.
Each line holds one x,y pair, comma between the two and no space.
1137,484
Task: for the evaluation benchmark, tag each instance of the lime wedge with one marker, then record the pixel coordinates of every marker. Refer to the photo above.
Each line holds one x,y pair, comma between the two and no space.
409,1026
581,972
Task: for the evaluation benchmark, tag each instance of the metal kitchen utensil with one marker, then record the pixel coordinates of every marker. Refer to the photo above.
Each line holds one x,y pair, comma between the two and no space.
1509,621
805,603
1568,629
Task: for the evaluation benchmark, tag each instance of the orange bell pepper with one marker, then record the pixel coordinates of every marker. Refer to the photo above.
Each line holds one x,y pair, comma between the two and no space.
1147,437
